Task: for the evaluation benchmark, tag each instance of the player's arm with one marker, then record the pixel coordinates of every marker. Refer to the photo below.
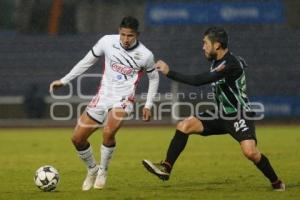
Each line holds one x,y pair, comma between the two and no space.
84,64
153,77
196,80
77,70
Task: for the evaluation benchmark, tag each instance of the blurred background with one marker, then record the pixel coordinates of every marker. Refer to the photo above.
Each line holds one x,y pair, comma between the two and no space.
41,40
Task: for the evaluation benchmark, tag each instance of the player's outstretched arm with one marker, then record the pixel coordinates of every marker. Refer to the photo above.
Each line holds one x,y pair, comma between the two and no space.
196,80
55,85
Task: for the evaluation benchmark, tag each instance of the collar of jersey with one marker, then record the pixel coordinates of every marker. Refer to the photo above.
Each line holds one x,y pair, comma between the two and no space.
224,57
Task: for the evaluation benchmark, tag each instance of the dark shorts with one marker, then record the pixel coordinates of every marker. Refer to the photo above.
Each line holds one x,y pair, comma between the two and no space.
239,128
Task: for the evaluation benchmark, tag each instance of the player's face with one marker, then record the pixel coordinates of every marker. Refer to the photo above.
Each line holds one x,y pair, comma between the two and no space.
127,36
209,49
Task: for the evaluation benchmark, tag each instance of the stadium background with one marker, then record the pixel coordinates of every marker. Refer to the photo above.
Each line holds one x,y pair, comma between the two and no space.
40,41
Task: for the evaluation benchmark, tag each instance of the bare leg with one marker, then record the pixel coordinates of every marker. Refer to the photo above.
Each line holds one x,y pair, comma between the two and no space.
114,121
84,128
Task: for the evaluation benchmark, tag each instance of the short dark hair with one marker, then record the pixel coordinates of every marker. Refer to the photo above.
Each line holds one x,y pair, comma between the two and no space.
217,34
130,22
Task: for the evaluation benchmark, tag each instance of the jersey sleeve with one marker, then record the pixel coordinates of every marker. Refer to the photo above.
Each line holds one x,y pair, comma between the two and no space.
153,86
98,49
83,65
228,69
89,60
149,67
196,80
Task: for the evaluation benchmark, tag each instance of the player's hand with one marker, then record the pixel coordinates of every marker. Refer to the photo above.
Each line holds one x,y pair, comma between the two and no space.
54,85
162,67
146,114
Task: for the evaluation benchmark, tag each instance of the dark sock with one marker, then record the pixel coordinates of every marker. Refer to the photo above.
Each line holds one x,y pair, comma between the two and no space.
265,167
175,148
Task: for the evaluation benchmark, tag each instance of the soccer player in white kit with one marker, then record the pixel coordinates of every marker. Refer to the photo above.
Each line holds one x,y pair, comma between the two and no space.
126,58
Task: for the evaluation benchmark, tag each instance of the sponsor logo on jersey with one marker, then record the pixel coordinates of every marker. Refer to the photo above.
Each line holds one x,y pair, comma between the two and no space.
119,77
137,56
117,67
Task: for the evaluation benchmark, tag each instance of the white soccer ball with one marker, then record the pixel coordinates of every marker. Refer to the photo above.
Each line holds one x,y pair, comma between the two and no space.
46,178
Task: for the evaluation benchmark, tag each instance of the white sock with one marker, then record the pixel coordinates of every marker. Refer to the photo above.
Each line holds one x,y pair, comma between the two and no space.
106,154
88,158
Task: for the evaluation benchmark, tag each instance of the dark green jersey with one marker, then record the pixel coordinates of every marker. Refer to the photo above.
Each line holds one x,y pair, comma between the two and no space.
230,90
227,77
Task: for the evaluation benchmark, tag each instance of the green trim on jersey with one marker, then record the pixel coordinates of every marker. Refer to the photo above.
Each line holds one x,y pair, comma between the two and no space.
228,107
240,95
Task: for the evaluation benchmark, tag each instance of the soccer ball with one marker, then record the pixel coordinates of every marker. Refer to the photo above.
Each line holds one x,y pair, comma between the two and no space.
46,178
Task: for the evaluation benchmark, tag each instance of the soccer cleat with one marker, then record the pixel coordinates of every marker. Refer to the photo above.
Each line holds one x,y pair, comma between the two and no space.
89,181
158,169
278,186
100,179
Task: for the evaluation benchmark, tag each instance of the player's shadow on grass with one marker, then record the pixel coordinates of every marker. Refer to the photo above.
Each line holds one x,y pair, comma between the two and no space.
226,184
193,185
293,185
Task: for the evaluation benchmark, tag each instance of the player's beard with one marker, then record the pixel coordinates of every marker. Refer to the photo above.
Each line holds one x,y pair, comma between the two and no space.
212,55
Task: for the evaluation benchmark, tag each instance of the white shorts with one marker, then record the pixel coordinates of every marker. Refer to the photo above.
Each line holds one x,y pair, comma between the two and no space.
98,110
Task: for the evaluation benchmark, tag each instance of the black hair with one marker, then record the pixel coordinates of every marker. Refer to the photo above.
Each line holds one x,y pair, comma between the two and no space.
217,34
130,22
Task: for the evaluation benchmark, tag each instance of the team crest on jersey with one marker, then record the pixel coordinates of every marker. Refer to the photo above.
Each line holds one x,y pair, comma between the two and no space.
137,56
122,69
116,47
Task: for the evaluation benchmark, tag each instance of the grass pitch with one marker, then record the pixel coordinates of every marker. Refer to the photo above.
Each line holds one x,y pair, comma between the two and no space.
209,168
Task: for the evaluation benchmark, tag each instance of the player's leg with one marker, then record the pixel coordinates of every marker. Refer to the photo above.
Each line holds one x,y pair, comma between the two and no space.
183,130
243,131
114,121
251,152
204,124
84,128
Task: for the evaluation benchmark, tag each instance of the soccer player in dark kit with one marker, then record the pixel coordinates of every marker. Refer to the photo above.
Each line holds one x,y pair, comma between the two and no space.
234,116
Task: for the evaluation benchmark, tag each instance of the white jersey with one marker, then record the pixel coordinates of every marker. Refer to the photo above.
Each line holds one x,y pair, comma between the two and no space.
123,69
